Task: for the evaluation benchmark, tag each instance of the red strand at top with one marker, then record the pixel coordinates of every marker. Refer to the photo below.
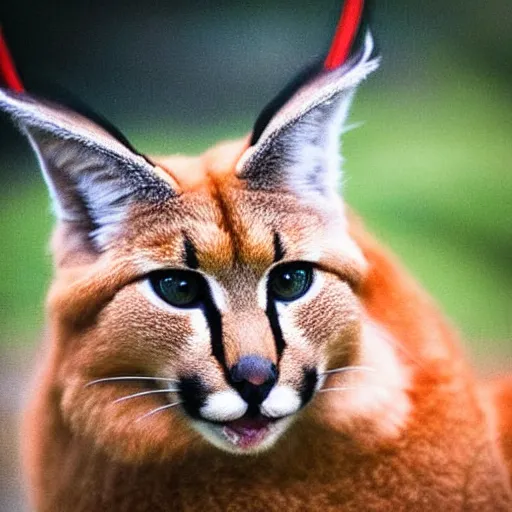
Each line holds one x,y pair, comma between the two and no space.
8,74
346,32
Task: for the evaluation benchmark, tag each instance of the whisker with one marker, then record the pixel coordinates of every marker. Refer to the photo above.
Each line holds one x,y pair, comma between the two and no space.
158,409
129,377
342,388
143,393
350,369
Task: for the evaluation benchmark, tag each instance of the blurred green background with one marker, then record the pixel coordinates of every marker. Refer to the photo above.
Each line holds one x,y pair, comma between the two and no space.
429,169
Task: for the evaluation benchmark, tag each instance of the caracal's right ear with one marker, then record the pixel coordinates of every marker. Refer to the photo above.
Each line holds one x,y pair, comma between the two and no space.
295,144
93,177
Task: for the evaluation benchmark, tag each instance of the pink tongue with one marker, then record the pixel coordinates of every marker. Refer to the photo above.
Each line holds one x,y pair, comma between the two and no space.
248,431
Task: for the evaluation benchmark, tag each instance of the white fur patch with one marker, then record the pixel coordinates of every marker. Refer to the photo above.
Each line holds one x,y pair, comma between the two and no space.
281,401
261,292
218,293
224,406
378,397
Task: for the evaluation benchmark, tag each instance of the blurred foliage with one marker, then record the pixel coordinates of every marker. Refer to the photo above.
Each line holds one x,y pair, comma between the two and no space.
431,175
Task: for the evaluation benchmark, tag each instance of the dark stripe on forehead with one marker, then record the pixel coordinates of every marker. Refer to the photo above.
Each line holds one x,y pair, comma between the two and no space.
279,251
273,319
190,254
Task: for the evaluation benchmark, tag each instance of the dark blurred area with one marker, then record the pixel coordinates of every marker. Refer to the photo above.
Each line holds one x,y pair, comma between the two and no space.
429,171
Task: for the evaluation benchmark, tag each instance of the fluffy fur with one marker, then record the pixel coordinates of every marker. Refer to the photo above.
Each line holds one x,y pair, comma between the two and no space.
429,438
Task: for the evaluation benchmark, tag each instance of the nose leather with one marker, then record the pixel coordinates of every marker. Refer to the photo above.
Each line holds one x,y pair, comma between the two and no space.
253,377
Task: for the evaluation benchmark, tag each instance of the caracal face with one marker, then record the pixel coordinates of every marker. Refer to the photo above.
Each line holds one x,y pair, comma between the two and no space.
238,305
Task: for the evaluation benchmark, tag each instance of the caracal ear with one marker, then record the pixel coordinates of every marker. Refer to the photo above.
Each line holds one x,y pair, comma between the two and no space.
92,176
299,148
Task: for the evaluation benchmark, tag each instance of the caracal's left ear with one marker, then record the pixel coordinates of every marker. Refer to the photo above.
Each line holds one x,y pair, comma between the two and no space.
93,177
298,147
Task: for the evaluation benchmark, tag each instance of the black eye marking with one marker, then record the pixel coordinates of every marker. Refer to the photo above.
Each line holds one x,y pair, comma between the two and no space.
190,254
273,320
186,289
279,251
214,320
271,311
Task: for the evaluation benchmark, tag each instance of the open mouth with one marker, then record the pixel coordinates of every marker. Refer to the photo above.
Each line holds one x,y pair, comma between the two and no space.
247,432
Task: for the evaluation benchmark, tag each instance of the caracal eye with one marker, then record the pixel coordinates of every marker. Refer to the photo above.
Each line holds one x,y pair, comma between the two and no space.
179,288
290,281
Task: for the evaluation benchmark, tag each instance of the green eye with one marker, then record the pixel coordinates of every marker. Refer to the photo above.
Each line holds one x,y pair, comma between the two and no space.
291,281
179,288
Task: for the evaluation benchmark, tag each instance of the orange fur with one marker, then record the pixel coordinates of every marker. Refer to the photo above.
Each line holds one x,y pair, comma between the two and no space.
441,449
499,395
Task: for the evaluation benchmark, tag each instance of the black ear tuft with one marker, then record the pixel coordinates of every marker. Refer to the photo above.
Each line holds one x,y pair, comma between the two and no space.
61,96
284,95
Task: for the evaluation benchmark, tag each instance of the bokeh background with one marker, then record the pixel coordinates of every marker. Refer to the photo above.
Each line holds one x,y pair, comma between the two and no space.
429,169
